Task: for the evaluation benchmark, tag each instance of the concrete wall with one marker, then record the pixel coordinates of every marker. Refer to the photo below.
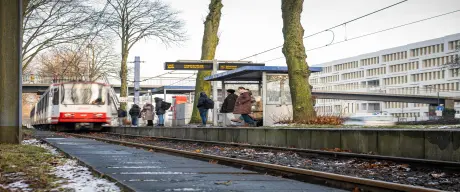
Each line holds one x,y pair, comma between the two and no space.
424,144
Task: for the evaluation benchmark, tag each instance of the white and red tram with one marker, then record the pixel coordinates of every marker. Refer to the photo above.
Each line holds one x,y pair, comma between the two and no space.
73,106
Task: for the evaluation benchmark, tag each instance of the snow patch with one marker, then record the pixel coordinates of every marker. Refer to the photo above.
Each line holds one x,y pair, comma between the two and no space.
16,186
75,177
80,178
38,143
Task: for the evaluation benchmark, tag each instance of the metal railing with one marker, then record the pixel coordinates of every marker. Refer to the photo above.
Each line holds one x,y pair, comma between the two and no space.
391,90
113,95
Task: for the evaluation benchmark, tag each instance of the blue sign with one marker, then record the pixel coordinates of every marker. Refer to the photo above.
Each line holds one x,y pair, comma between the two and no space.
440,108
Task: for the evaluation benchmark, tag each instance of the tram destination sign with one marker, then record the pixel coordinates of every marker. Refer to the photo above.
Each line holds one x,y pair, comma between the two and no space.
206,66
187,66
232,66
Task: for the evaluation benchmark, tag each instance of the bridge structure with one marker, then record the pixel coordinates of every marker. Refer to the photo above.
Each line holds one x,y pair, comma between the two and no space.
363,92
38,84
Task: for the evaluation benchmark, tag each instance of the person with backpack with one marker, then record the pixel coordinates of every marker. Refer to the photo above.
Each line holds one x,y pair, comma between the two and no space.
135,111
160,111
204,104
121,116
243,106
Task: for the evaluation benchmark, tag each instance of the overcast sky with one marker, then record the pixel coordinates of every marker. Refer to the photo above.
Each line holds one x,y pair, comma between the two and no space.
251,26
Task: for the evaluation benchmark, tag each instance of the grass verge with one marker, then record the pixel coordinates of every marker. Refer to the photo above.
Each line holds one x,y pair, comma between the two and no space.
30,164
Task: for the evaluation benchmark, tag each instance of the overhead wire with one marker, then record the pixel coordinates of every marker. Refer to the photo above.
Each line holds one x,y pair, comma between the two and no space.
373,33
322,31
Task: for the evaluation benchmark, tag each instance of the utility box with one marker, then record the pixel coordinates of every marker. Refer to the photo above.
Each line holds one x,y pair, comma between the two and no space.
183,114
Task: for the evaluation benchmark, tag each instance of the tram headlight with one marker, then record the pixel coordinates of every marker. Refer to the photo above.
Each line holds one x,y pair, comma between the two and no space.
67,115
98,115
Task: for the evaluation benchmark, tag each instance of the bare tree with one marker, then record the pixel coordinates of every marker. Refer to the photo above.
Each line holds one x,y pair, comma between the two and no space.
69,60
455,63
48,23
134,20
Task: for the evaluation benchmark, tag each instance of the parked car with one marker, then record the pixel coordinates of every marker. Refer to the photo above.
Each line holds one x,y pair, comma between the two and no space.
371,119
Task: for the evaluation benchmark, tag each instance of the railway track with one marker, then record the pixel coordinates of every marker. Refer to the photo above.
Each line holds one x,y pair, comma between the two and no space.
318,177
414,161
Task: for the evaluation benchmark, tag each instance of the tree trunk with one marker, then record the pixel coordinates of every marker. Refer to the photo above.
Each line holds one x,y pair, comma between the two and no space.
10,100
124,77
294,51
208,51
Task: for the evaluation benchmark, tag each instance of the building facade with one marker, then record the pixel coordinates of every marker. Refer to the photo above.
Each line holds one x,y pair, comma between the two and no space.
417,69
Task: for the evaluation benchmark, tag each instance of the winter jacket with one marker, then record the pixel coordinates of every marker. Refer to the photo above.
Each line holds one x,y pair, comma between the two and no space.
229,103
202,101
148,110
243,104
135,111
158,109
121,113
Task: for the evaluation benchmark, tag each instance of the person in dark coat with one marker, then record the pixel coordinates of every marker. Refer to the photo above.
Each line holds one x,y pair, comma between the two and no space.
135,111
160,111
243,106
121,116
228,106
202,108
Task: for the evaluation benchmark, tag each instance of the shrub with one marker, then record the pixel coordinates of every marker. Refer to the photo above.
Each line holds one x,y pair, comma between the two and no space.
318,120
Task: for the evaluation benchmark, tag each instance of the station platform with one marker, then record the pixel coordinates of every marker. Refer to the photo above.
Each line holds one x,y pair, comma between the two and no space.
142,170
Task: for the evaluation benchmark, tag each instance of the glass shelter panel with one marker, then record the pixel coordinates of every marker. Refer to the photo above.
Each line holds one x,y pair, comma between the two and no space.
278,92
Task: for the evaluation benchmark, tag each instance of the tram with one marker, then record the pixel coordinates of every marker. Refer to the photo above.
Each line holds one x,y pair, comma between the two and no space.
72,106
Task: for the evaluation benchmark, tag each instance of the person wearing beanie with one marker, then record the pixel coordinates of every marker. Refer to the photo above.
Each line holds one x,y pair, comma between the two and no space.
228,106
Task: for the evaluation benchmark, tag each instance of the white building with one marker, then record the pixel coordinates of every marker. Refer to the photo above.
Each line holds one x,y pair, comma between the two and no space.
416,68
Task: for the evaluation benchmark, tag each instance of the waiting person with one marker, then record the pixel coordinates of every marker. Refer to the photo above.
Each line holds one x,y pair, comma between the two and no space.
243,106
148,114
135,112
121,116
204,104
228,106
160,111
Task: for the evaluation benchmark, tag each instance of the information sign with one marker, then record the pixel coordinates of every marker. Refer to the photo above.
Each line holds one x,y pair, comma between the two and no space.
187,66
232,66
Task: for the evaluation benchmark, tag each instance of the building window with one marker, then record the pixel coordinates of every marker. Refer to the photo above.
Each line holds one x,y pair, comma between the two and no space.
369,61
427,50
395,56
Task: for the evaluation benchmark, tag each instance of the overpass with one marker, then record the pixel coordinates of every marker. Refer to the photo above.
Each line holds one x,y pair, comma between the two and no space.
40,84
256,73
386,97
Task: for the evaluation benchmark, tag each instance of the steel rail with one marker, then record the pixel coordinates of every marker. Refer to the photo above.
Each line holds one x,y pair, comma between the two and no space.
329,176
448,164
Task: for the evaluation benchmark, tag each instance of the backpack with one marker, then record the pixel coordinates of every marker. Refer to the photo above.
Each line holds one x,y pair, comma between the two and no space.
209,103
165,105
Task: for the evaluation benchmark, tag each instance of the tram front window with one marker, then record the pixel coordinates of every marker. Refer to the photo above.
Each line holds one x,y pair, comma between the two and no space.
83,94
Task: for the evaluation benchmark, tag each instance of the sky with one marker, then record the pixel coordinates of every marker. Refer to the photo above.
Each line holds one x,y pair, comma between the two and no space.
251,26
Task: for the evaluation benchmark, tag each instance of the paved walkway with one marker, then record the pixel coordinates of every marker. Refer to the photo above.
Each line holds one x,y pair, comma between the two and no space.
142,170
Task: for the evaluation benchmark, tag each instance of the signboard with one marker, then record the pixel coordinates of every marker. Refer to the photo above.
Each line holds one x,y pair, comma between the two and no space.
438,113
440,108
123,99
187,66
206,66
232,66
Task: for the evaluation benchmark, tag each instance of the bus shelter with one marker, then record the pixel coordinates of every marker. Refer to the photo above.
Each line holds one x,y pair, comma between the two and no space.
272,84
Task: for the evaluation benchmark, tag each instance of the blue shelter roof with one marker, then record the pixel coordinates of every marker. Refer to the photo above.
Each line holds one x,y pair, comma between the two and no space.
251,73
